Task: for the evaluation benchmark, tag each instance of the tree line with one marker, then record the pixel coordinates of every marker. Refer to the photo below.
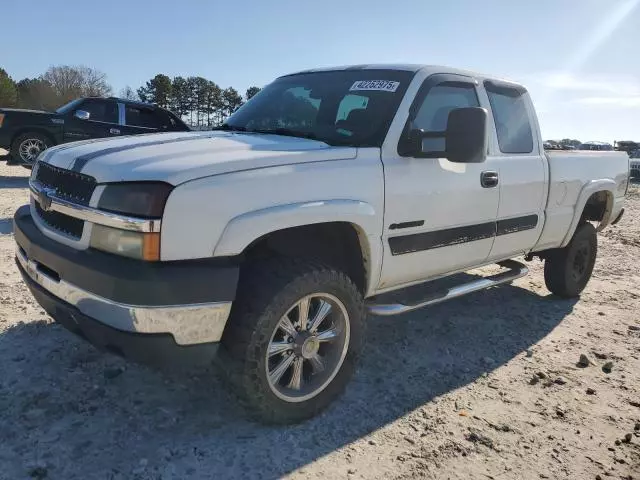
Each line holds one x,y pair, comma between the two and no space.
199,101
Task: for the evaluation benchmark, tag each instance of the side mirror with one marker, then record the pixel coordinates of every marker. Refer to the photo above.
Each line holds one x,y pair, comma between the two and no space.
466,135
464,140
82,114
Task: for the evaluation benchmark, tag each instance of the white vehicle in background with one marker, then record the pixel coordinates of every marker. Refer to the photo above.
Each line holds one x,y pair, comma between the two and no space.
634,163
324,197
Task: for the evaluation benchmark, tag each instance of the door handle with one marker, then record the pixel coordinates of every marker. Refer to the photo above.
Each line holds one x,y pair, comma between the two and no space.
489,179
114,131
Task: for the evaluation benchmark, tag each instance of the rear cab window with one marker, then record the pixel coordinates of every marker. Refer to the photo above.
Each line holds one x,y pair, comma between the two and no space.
138,116
511,118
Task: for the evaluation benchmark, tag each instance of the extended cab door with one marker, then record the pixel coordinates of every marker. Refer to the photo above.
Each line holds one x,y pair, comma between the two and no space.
439,216
515,148
102,122
142,119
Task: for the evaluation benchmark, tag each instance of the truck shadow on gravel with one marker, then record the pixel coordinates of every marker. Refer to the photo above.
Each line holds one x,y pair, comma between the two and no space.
79,413
14,182
6,226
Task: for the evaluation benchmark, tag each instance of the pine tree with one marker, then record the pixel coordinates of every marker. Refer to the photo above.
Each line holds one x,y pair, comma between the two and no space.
8,90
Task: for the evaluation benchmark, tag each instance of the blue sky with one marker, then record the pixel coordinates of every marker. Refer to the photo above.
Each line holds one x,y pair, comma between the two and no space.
579,58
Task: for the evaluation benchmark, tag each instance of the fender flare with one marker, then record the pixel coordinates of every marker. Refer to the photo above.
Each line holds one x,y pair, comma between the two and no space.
55,135
244,229
594,186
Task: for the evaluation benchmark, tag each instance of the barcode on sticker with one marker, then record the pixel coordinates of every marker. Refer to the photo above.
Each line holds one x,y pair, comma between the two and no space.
378,85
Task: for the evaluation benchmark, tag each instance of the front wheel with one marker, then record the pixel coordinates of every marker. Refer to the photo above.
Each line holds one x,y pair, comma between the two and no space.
293,339
568,270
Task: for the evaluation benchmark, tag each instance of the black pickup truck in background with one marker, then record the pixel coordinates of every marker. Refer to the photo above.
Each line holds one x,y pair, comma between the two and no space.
26,133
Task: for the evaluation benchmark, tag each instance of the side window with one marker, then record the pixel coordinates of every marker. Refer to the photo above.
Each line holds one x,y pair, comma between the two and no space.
433,113
143,117
100,111
513,127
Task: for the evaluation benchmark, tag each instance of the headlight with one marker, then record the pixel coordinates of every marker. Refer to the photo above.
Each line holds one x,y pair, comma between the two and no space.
134,199
138,245
139,199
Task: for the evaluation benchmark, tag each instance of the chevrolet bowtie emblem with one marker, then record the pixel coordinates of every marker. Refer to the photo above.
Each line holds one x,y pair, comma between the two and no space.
44,198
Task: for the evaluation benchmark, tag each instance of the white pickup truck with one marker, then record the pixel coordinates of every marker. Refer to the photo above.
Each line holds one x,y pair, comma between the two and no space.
316,202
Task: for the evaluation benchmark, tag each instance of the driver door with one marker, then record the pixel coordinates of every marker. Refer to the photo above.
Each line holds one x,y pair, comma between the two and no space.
439,216
103,121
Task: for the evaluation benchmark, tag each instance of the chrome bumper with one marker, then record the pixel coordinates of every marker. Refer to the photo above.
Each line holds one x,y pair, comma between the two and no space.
49,201
188,324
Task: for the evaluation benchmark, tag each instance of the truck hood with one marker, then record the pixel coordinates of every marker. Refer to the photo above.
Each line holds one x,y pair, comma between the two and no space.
176,158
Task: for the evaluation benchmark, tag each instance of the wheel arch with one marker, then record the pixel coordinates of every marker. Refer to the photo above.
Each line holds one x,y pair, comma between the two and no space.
595,203
340,232
34,129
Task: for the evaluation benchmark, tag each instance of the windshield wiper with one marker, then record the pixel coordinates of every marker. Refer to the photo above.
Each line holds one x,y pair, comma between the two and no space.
230,128
287,132
284,132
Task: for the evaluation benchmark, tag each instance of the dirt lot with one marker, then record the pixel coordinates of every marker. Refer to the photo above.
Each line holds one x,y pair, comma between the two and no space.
483,388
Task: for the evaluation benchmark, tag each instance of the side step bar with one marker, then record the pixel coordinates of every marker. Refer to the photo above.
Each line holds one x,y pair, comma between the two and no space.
515,270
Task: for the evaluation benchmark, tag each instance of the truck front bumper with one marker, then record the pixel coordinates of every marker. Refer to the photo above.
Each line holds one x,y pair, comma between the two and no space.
160,313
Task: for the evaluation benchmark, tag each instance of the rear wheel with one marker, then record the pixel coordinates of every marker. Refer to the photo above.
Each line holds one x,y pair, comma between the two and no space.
26,148
568,270
293,339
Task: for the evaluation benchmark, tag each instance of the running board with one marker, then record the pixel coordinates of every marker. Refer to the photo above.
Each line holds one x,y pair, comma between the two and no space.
515,270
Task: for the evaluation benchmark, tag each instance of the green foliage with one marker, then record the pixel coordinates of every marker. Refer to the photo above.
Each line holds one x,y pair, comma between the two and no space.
251,92
201,101
231,100
180,99
58,85
8,90
37,93
158,90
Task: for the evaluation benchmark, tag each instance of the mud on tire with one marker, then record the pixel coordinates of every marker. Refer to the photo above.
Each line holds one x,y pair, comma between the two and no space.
568,270
269,291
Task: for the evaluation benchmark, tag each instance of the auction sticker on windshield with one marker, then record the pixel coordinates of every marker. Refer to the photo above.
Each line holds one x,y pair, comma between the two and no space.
376,85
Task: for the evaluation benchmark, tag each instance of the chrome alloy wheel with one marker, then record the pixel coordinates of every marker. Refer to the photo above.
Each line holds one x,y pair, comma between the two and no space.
30,148
307,347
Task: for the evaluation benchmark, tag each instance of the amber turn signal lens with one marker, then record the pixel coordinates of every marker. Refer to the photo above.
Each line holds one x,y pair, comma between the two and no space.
1,119
151,247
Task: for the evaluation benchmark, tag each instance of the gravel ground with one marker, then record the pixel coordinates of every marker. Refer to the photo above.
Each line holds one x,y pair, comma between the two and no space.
487,387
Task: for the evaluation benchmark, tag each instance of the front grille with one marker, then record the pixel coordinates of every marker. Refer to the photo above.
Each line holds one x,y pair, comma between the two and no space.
62,223
75,187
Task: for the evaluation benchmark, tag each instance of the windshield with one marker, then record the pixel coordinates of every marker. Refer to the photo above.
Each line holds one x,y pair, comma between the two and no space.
68,106
345,107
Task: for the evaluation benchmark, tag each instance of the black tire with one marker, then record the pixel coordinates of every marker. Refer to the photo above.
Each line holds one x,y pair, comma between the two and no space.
267,291
16,158
568,270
